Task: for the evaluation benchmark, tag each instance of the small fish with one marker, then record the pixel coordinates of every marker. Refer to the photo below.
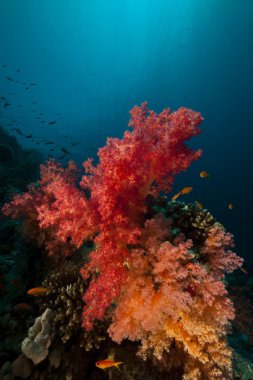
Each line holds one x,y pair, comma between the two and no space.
108,363
18,70
52,122
23,306
204,174
34,102
230,206
199,204
176,196
18,131
60,158
52,150
9,78
27,88
39,291
7,104
64,150
4,65
33,84
49,142
186,190
243,270
28,136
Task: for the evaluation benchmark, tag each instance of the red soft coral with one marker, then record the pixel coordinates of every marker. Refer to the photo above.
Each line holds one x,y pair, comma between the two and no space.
145,161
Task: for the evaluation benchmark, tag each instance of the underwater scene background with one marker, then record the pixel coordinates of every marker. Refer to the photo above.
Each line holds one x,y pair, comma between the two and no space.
123,269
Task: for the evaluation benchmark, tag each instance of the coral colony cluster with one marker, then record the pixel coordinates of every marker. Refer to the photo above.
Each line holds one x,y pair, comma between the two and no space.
155,283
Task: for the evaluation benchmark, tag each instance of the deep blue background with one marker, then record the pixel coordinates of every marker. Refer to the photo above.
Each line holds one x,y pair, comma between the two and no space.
93,60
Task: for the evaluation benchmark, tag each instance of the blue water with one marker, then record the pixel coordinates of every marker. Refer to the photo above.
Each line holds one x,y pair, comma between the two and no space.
92,61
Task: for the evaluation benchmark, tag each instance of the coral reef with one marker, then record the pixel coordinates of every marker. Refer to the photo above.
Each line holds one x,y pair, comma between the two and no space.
156,272
65,296
190,220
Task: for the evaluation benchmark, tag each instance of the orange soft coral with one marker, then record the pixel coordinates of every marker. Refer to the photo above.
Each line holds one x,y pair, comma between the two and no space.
169,297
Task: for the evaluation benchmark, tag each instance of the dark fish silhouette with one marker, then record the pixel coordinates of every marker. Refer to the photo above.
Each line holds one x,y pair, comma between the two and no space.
4,65
27,88
64,150
60,158
28,136
18,70
49,142
33,84
18,131
34,102
9,78
52,122
7,104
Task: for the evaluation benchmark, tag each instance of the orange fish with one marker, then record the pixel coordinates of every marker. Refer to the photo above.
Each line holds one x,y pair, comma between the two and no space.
23,307
37,291
186,190
199,204
243,270
108,363
204,174
175,196
230,206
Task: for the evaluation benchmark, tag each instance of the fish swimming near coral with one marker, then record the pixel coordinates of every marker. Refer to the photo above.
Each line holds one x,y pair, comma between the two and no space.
39,291
186,190
198,204
64,150
108,363
23,306
174,198
204,174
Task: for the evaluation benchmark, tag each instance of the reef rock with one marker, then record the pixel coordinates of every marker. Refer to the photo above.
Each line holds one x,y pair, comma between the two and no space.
35,346
22,367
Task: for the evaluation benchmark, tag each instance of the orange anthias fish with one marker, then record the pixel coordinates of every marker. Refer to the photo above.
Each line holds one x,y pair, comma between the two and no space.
186,190
230,206
204,174
108,363
199,204
37,291
176,196
23,307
